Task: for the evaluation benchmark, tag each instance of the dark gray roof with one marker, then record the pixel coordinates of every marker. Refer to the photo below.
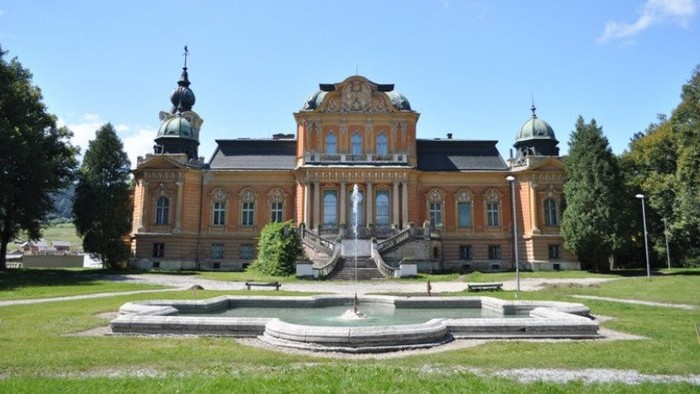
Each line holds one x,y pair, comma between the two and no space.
458,155
255,154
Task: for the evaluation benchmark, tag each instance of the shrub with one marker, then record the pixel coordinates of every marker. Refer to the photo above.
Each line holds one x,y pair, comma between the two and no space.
278,248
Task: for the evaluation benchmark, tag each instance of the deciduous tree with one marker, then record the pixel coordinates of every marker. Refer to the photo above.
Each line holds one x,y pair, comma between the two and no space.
36,157
278,248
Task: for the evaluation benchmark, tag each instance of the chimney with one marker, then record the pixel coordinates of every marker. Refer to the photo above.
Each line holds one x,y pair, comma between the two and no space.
449,136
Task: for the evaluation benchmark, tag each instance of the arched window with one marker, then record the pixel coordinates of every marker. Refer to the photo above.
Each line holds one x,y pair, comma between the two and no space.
219,207
493,208
435,200
356,144
248,208
162,210
382,145
331,144
464,209
550,212
276,206
330,207
381,207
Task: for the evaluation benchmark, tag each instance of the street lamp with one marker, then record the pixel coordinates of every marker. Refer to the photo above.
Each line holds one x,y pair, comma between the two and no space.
511,180
668,252
646,242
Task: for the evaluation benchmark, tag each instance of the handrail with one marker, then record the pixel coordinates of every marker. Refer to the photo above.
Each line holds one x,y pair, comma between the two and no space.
326,269
394,242
317,242
386,270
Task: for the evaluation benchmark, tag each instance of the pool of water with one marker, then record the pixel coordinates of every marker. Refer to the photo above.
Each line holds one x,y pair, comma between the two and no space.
376,314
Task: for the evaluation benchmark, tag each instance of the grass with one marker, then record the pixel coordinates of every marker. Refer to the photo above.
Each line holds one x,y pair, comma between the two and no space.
38,356
61,232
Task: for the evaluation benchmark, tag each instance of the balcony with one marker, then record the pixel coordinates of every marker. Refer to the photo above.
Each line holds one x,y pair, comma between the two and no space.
350,159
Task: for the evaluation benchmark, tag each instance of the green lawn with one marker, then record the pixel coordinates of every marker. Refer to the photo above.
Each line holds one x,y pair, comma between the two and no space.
39,356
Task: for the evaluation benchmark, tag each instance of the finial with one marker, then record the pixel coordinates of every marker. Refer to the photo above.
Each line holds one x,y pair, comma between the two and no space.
185,54
533,108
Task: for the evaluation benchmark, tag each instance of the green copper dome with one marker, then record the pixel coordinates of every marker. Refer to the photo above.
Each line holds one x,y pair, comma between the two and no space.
178,126
535,128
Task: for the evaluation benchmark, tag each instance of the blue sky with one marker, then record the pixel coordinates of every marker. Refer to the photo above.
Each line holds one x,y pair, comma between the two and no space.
469,67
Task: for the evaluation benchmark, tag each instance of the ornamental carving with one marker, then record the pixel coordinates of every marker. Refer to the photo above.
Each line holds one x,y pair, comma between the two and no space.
276,195
492,196
356,96
435,196
464,196
248,196
219,195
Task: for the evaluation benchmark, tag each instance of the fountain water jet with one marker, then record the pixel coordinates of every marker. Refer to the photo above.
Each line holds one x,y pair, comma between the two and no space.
356,197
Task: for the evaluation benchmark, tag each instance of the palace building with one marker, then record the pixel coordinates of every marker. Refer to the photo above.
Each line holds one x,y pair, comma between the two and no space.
444,204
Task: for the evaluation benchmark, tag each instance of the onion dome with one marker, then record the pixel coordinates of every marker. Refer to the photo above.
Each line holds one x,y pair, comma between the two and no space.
183,97
536,138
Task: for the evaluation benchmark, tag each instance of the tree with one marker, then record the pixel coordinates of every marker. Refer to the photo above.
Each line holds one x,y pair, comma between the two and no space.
102,207
278,248
36,157
594,191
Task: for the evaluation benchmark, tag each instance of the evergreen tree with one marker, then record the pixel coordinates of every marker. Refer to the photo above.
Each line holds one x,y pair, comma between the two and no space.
594,192
102,207
36,158
278,248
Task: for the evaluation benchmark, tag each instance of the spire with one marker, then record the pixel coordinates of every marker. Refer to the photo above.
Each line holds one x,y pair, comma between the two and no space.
183,98
533,108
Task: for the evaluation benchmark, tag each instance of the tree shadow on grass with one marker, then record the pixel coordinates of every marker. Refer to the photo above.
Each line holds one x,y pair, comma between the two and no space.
13,279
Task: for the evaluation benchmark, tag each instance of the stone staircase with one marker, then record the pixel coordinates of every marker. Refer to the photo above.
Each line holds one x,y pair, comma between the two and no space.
366,269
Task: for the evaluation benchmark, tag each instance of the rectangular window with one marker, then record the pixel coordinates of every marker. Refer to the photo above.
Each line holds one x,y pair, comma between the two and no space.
219,213
494,252
435,209
554,252
492,214
465,252
248,214
217,251
276,212
464,214
330,207
247,252
158,249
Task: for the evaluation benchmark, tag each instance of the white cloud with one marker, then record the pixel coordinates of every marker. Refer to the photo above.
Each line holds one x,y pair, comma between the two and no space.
136,143
654,12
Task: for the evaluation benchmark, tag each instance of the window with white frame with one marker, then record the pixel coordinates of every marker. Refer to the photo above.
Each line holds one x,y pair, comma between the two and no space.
219,207
435,204
162,210
493,208
276,206
248,208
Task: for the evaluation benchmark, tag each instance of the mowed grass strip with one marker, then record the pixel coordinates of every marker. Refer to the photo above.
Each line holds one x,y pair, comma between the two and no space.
40,356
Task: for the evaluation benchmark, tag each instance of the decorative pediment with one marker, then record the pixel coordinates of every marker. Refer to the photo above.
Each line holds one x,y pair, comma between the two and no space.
161,162
357,95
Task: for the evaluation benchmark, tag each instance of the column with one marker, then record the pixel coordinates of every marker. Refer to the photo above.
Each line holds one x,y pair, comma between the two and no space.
144,202
307,205
317,204
533,208
343,200
369,215
178,208
404,204
395,203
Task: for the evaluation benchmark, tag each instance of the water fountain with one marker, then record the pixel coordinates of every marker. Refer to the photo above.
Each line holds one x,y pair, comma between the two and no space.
353,313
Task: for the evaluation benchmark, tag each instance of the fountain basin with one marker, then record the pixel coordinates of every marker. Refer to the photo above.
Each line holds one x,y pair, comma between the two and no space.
533,319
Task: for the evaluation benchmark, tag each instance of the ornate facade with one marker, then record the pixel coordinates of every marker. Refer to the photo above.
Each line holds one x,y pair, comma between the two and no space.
450,195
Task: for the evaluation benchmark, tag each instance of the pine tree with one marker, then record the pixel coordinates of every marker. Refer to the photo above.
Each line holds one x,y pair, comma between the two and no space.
36,158
594,192
102,207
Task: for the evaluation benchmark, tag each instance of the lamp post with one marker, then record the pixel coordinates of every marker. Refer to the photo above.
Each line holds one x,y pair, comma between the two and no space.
646,242
511,180
668,252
